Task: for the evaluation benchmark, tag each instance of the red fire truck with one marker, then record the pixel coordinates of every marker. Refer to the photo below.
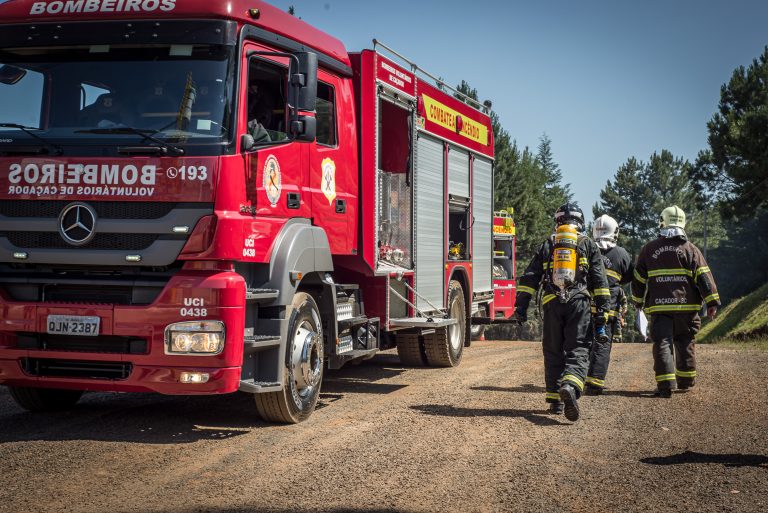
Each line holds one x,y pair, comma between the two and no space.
203,197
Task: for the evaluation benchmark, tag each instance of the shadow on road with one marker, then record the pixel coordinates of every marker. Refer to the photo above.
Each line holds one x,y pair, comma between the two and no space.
538,417
364,378
158,419
134,418
528,388
728,460
630,393
258,509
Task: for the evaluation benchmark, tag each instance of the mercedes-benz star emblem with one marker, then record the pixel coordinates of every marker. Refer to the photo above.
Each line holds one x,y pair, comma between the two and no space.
77,224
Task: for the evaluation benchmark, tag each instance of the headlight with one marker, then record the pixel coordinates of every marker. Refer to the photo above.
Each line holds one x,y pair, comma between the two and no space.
195,337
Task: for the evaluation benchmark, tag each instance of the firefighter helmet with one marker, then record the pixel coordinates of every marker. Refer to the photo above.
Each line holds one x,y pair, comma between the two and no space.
672,217
605,230
570,213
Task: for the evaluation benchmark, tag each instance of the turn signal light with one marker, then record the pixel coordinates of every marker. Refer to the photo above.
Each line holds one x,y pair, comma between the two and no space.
202,236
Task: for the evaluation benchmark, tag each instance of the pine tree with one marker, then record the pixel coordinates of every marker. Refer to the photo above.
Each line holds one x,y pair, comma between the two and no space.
640,191
523,183
557,193
737,163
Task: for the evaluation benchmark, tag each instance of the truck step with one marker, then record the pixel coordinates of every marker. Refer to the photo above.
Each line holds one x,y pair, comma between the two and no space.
259,387
261,294
421,322
353,321
256,343
338,361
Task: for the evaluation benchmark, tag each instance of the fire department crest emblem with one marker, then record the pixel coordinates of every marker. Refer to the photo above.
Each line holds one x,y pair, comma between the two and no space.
272,180
329,179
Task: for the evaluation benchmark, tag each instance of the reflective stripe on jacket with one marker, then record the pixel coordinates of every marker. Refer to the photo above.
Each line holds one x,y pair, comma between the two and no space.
671,276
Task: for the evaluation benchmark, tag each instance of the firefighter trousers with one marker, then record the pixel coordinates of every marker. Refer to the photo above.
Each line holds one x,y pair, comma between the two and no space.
566,342
674,349
600,356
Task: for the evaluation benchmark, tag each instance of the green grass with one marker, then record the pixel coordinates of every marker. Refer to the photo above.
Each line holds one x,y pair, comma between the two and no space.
743,319
759,343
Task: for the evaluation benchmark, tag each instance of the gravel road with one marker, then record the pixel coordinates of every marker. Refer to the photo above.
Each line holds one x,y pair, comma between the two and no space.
389,438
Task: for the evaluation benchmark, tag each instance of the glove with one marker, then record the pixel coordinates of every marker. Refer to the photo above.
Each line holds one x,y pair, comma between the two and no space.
711,312
521,315
600,334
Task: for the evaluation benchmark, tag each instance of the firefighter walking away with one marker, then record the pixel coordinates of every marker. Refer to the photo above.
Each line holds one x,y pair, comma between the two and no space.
569,267
671,281
618,272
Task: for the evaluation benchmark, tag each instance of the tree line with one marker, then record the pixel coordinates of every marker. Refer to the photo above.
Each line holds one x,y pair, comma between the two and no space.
724,192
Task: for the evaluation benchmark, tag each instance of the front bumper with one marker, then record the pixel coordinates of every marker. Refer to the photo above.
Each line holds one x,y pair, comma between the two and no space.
128,355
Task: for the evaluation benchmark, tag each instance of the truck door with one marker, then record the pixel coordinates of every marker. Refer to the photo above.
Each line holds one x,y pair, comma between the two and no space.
277,171
333,164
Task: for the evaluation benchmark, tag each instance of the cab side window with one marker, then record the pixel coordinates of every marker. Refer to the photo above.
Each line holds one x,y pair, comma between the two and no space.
266,101
326,115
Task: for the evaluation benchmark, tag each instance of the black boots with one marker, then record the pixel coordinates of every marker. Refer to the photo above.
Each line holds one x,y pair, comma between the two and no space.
556,408
592,390
569,396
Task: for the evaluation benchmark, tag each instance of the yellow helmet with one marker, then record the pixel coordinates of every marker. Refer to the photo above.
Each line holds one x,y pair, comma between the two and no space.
672,217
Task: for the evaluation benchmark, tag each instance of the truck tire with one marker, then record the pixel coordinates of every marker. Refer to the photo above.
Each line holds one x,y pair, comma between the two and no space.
304,361
411,350
45,399
445,347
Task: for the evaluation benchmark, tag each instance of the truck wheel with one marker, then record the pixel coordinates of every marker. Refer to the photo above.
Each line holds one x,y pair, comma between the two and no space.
445,347
303,373
410,350
477,330
45,399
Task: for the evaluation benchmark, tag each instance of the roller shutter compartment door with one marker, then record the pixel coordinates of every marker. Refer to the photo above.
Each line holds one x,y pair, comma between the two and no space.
482,238
429,222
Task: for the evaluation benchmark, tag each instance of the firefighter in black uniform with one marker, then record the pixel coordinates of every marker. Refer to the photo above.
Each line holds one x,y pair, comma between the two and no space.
671,281
618,271
568,327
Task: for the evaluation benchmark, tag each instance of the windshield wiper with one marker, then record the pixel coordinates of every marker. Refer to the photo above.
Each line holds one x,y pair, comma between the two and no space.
162,147
57,150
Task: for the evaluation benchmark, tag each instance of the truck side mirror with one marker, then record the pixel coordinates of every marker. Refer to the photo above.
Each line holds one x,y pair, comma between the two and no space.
305,128
10,75
246,142
302,81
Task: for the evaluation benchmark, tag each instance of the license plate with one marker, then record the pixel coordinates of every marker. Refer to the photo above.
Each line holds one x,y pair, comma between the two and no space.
82,325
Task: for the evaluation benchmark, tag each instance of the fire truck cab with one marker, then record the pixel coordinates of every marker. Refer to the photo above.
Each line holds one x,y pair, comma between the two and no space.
207,197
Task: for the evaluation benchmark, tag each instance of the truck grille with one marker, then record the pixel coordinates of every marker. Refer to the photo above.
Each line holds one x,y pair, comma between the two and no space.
108,344
54,368
116,241
104,209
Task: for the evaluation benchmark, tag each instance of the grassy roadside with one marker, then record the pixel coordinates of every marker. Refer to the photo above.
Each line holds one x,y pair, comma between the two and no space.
743,323
759,344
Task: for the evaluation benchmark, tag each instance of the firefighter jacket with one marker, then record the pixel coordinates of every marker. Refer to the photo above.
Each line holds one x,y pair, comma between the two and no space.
671,276
618,271
590,276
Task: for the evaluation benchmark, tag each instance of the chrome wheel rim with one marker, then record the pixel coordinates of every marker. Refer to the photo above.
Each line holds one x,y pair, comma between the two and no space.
455,330
306,359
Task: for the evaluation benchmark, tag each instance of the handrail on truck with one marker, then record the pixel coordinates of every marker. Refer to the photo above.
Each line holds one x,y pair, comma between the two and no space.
475,104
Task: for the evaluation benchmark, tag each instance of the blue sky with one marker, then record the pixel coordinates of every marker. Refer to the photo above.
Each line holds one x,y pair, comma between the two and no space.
604,79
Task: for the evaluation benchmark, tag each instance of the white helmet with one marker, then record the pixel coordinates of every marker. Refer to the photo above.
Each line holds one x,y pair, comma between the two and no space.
605,231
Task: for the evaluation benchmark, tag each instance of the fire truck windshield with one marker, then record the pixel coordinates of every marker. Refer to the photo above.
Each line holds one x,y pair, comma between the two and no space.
102,96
